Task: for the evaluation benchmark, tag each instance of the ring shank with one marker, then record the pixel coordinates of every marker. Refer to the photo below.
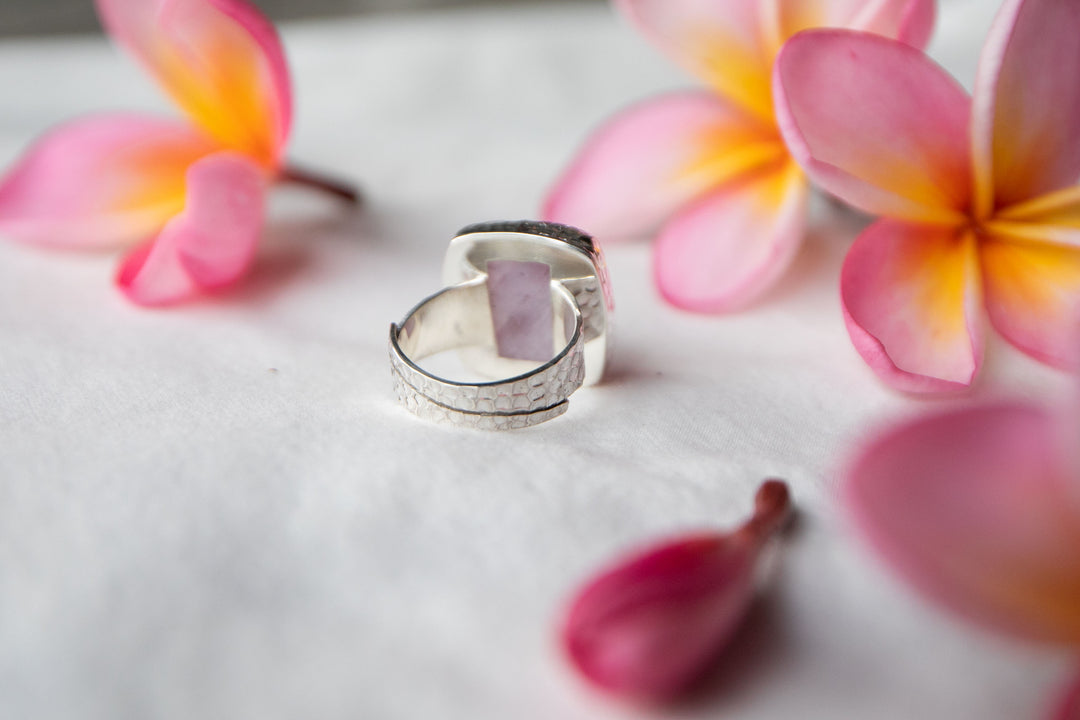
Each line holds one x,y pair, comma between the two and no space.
453,318
459,318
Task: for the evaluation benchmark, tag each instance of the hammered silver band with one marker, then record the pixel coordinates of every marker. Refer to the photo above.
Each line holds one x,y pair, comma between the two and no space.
452,319
459,318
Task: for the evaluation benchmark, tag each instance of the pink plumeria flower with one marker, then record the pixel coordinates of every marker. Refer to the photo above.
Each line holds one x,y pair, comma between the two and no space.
190,194
709,168
979,509
649,627
978,197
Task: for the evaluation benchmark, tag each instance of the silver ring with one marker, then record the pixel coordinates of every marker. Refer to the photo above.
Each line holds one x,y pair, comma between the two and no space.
526,314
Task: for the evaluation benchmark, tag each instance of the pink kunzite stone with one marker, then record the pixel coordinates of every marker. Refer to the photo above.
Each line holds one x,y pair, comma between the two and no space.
521,310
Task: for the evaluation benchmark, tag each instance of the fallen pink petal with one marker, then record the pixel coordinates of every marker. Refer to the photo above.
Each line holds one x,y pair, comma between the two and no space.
188,197
652,625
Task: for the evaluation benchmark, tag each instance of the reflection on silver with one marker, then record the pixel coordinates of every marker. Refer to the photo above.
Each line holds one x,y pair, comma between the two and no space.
520,393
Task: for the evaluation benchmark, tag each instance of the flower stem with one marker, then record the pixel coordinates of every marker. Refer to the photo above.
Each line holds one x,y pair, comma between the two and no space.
772,508
339,188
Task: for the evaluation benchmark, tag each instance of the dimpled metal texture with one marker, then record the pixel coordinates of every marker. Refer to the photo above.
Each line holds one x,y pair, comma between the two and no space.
517,403
449,320
589,298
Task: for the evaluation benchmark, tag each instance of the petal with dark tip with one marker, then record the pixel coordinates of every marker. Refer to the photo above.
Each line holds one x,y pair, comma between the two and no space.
649,627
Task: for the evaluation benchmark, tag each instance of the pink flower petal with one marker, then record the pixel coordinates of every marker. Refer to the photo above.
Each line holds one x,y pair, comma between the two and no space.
220,60
724,43
1052,218
876,123
1070,705
647,161
975,509
726,249
909,21
911,302
1033,295
732,44
211,244
98,181
1027,103
649,627
646,628
786,18
1055,215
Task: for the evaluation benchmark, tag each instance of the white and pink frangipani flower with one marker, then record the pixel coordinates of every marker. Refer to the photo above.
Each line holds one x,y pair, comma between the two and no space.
189,196
981,211
709,168
979,509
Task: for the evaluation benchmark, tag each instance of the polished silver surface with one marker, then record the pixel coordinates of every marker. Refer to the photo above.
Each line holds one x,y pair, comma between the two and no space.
458,318
576,263
519,393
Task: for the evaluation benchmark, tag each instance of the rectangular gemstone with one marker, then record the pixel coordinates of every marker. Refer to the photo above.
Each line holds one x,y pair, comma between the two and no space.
521,312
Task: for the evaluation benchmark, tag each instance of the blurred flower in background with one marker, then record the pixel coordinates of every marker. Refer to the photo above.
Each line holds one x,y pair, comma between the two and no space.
979,509
189,196
709,167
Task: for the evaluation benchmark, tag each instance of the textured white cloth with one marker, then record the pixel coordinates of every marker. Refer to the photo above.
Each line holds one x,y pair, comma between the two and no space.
219,511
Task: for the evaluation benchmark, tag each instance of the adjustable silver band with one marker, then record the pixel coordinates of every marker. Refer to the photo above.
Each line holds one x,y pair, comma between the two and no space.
459,318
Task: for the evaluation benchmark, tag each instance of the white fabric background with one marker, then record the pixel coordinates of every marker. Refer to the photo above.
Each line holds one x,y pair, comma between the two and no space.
218,511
